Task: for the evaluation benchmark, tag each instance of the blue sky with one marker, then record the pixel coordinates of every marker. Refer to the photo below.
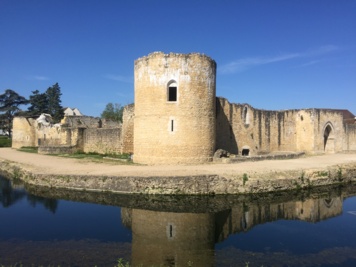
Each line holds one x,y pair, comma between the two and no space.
272,54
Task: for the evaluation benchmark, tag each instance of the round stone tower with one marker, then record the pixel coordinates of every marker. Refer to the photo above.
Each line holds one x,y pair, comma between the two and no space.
174,108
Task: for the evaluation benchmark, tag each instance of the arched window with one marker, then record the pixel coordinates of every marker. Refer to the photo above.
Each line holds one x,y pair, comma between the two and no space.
172,92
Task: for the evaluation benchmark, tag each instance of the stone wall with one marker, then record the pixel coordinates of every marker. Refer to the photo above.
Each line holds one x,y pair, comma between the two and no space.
75,133
326,120
48,135
24,132
128,129
350,140
180,129
225,136
81,121
103,141
242,129
56,150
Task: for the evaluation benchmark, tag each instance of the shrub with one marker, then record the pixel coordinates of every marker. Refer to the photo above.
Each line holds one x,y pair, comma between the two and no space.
5,141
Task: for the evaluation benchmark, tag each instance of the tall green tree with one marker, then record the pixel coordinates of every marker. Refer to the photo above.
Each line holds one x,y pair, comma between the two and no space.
54,102
38,103
113,112
9,107
48,102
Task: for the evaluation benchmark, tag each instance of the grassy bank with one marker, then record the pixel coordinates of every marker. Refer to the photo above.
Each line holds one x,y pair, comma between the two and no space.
82,155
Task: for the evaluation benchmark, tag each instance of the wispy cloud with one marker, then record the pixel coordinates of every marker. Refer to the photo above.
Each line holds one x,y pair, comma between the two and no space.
119,78
247,63
313,62
37,78
123,94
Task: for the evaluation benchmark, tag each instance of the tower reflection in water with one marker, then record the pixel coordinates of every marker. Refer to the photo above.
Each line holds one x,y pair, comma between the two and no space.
177,238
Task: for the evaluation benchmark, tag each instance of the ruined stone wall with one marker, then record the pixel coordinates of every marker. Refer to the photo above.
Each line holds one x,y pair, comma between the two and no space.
332,119
87,122
180,130
23,132
264,131
103,141
320,131
76,133
48,135
27,132
350,139
225,136
128,129
305,130
241,127
55,150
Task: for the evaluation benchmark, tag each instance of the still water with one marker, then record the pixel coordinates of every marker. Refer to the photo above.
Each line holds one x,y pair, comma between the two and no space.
47,227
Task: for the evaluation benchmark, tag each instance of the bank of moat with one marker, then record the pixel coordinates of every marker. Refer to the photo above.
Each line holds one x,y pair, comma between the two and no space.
237,178
178,119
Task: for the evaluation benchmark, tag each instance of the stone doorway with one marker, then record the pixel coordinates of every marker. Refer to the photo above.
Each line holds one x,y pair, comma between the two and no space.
329,139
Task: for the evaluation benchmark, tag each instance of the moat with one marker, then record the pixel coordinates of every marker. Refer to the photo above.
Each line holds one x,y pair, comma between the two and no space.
50,227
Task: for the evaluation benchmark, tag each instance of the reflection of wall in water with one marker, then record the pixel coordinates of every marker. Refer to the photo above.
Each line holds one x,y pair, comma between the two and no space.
311,210
172,239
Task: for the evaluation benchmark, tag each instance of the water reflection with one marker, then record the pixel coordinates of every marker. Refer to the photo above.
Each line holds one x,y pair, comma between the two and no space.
11,193
173,239
172,231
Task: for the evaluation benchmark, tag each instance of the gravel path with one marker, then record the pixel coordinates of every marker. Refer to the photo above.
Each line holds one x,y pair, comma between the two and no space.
45,164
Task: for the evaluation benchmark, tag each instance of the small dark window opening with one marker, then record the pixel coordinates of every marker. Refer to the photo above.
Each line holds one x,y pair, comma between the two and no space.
170,262
170,231
172,125
245,152
172,93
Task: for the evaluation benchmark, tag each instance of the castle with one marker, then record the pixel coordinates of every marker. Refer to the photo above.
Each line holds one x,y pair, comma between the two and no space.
177,119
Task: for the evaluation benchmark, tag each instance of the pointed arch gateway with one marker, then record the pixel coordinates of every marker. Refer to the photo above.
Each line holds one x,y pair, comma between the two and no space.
329,138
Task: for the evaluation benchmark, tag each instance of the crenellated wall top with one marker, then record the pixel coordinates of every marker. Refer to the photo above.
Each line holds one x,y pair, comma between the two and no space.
174,55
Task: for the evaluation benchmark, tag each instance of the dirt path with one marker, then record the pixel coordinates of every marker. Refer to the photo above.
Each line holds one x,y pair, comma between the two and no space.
44,164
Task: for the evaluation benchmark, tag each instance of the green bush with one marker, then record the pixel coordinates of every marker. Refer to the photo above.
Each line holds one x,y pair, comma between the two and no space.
5,141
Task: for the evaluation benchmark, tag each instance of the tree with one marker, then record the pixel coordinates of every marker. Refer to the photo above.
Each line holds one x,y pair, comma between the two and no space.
55,108
48,102
9,107
113,112
38,102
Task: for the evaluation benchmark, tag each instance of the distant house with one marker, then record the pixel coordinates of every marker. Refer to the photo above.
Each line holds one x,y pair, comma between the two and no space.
72,112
